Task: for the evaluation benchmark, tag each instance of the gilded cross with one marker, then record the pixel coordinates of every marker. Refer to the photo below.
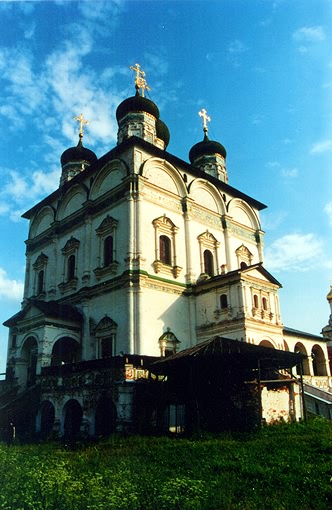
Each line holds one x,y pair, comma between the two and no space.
140,80
205,118
82,122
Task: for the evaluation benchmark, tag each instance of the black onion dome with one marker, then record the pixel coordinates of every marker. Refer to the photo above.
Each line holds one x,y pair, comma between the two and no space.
136,103
163,132
206,147
77,154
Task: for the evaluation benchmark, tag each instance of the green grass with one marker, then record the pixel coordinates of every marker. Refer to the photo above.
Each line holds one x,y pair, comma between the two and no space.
278,468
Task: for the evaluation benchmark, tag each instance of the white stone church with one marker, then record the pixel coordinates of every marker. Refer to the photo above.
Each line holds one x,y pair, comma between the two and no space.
137,256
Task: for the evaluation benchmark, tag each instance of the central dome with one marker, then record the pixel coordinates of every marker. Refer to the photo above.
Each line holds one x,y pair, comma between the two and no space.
136,103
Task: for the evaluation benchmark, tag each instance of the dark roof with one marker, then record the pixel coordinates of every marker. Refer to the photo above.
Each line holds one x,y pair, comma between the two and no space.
225,349
136,103
78,154
206,147
259,267
51,309
310,336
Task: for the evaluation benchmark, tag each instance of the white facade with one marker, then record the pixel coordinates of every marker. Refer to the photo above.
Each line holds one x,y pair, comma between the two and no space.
137,244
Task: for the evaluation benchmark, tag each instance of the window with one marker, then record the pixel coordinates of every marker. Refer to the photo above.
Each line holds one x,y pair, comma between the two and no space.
40,272
70,257
255,301
223,301
244,256
108,250
165,247
208,263
105,335
165,250
40,284
264,302
106,347
208,247
168,343
106,256
71,267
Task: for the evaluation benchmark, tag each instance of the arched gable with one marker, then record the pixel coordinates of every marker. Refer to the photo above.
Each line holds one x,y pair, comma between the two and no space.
72,201
207,195
164,175
242,213
42,221
110,176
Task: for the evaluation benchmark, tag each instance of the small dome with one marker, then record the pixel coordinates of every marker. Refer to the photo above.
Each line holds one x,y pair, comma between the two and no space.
163,132
78,154
206,147
136,103
329,296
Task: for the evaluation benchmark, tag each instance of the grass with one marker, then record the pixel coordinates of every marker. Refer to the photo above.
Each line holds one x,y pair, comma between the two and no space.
277,468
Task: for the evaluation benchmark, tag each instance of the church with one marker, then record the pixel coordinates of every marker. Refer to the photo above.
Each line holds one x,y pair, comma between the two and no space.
136,265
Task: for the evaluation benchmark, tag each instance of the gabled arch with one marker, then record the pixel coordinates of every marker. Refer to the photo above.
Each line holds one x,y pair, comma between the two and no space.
207,195
242,213
72,201
108,177
42,221
164,175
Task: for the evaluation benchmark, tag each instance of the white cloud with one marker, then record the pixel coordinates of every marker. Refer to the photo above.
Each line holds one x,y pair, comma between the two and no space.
10,289
283,171
328,211
320,147
236,46
293,252
290,172
309,34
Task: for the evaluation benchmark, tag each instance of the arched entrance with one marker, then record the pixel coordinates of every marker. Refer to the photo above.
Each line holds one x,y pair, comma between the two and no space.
318,361
267,343
105,417
29,358
65,350
47,415
299,347
72,419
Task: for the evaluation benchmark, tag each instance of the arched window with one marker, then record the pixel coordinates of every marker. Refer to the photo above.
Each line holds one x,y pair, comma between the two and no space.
40,283
243,265
108,250
255,301
71,263
223,301
208,263
264,302
165,253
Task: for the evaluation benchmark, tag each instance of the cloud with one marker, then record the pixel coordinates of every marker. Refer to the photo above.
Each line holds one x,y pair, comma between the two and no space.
288,173
236,46
19,191
10,289
293,252
309,34
320,147
328,211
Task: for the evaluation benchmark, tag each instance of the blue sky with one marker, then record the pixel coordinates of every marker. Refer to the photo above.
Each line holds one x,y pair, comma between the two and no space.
261,68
